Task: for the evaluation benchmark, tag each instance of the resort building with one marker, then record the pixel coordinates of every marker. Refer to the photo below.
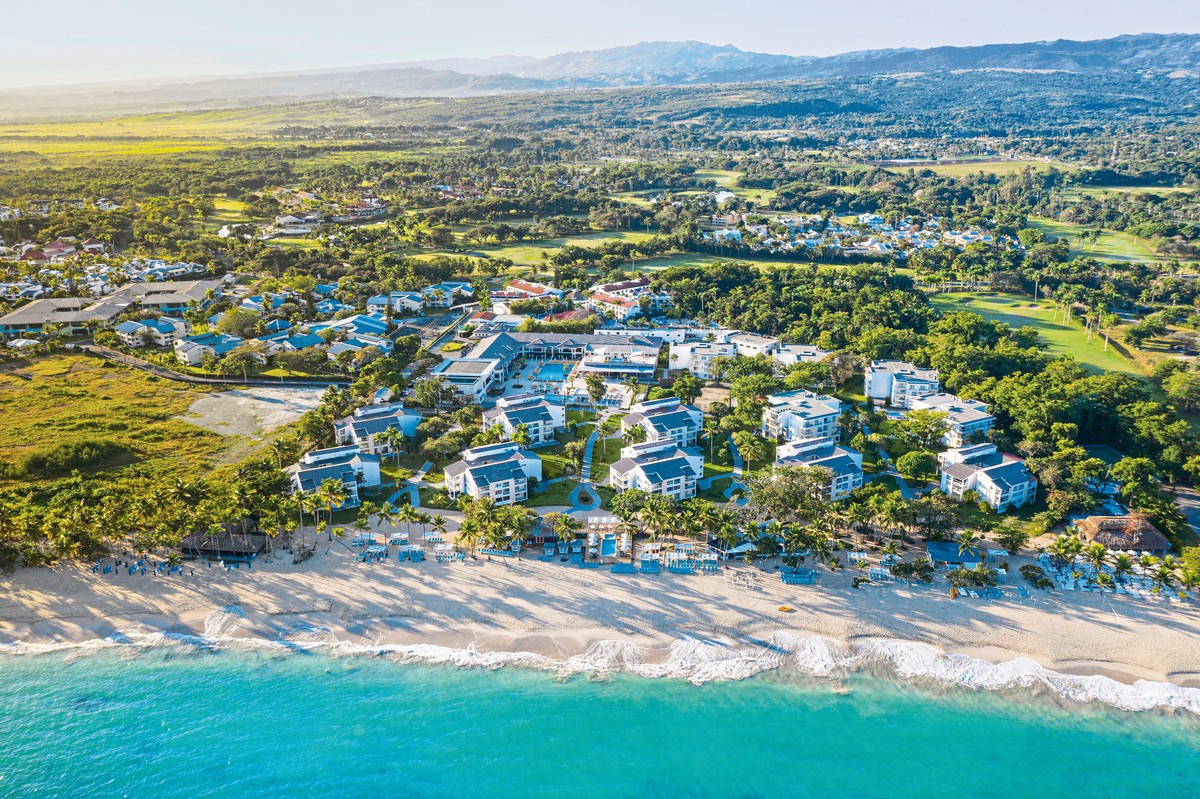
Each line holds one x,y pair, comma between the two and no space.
444,295
349,465
845,464
665,419
792,354
750,344
161,332
697,356
967,420
637,290
364,426
541,418
801,415
609,355
500,472
1002,481
618,308
75,313
472,377
898,383
658,467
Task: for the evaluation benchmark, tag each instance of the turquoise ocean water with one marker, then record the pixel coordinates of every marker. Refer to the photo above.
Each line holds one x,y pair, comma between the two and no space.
181,722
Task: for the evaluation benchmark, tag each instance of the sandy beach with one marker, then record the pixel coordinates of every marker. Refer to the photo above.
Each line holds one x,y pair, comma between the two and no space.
485,611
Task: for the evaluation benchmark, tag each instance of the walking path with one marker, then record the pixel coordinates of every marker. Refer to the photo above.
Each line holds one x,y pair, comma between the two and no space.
734,477
585,469
577,503
412,487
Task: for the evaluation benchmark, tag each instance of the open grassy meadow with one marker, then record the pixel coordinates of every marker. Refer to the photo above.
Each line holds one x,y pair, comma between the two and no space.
1060,339
55,403
988,166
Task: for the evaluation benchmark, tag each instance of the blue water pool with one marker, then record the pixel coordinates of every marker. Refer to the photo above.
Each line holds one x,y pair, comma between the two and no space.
553,372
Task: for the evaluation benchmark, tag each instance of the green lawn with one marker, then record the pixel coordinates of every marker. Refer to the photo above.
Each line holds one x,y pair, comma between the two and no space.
554,495
1060,339
991,166
604,454
1111,246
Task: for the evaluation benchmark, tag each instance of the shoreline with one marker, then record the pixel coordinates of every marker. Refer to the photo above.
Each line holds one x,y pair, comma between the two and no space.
1118,650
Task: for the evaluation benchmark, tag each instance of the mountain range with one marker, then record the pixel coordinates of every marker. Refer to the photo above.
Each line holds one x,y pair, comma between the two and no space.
643,64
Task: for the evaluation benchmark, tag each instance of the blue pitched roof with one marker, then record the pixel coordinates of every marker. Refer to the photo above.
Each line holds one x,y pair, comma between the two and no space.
301,341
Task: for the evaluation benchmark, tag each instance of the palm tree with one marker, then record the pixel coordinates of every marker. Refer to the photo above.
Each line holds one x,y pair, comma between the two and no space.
470,534
968,542
333,493
1097,555
1122,566
409,515
1104,580
439,524
565,527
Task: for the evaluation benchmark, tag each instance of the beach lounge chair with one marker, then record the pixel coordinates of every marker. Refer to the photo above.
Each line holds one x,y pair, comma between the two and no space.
624,568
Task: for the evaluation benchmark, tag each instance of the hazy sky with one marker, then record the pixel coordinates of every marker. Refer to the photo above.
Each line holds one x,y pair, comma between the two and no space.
71,41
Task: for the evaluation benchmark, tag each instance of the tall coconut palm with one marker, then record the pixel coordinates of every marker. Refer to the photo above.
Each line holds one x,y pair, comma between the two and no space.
1097,555
1105,581
1122,567
409,515
333,493
968,542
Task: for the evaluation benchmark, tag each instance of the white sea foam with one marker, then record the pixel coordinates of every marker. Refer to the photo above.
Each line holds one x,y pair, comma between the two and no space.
694,659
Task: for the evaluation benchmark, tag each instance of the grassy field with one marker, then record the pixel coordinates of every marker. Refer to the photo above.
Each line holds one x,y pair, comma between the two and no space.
988,166
530,253
1060,339
1111,246
63,400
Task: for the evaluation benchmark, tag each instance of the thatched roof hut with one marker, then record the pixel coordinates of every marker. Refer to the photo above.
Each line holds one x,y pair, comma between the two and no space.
229,543
1123,532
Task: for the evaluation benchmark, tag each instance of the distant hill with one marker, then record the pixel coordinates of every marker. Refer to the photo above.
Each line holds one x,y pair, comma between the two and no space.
644,64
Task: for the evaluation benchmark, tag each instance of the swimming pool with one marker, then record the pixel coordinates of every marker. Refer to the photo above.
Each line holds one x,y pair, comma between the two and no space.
553,372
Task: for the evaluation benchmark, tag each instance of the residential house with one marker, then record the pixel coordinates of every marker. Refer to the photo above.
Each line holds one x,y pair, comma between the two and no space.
161,332
1002,481
541,418
658,467
967,420
193,350
444,295
400,301
898,383
500,472
665,419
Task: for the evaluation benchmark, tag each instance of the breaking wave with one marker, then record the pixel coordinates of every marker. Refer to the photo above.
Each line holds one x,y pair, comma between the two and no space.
693,659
